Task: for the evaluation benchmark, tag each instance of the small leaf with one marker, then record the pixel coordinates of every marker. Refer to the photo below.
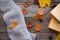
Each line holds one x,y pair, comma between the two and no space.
24,11
28,24
37,17
40,12
37,27
26,4
13,24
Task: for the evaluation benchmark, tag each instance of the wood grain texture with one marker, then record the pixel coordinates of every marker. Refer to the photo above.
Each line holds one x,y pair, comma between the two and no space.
29,17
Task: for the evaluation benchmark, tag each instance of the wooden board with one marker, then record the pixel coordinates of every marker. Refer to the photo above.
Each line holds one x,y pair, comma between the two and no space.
32,9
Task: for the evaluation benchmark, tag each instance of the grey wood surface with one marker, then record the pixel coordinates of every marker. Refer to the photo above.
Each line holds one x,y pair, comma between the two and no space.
44,34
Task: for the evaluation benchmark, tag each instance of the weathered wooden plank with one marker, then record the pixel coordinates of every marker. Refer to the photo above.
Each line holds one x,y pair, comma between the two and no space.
42,35
46,36
21,1
3,26
4,36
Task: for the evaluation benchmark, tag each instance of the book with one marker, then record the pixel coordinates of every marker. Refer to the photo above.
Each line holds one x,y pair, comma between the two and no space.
54,24
56,12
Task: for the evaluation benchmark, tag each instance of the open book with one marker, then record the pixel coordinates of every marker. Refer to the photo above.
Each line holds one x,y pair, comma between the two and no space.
56,12
54,24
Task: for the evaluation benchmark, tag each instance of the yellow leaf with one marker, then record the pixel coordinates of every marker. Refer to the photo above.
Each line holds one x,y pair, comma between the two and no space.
43,3
13,24
48,2
58,37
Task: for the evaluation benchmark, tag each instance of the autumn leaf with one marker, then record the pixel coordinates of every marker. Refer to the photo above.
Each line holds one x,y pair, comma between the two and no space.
28,24
24,11
40,12
37,27
13,24
37,17
26,4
